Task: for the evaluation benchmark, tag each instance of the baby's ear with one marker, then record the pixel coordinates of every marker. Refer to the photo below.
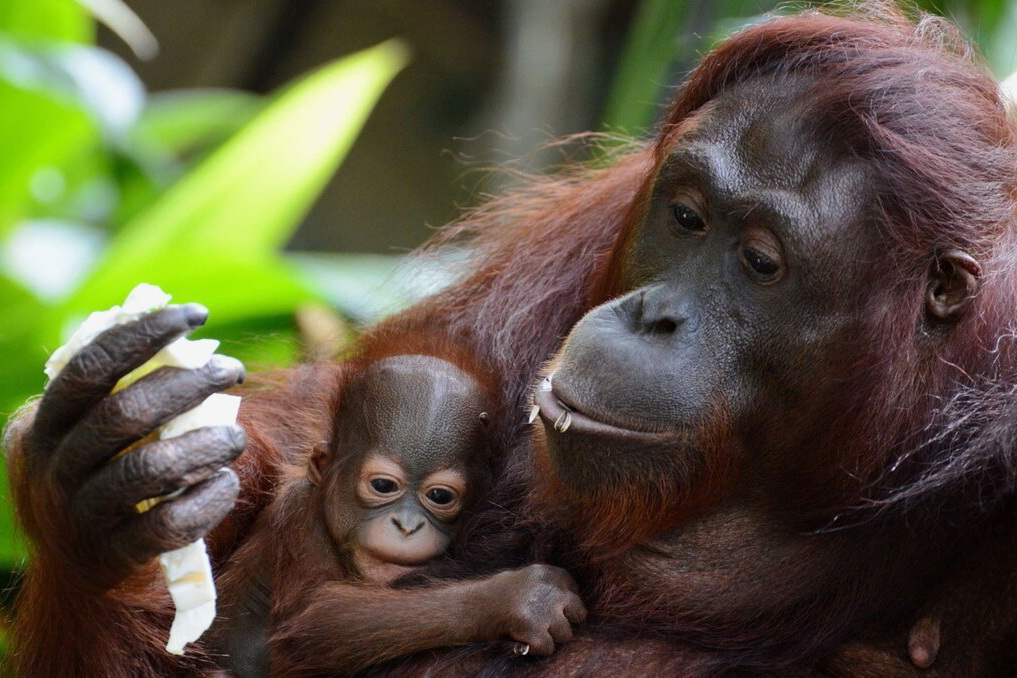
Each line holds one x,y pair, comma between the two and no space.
316,465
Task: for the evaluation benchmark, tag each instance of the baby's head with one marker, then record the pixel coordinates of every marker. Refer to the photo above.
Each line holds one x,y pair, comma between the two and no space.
411,450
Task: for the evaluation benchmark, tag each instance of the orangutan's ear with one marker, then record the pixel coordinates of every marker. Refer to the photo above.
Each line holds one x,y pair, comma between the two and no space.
953,284
316,465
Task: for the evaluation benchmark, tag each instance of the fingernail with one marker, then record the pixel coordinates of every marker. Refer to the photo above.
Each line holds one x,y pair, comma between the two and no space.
196,314
225,364
238,437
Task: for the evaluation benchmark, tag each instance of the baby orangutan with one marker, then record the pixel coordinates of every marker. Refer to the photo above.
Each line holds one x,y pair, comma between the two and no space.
308,593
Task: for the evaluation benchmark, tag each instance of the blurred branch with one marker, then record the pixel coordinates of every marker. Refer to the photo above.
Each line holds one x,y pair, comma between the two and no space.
323,332
122,20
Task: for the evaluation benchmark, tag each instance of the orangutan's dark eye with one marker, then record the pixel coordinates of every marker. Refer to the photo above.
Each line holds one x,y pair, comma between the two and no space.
686,219
384,485
760,263
440,496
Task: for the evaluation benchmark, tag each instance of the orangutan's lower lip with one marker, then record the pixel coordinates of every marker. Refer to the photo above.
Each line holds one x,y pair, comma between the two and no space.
562,418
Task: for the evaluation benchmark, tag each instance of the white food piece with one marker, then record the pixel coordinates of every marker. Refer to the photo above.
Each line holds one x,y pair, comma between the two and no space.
188,575
218,409
187,354
1008,88
142,299
183,353
187,570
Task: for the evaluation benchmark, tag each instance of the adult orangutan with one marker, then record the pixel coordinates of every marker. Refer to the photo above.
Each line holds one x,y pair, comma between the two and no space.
780,441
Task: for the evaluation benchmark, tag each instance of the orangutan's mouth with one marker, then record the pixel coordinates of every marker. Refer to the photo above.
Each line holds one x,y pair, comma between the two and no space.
561,417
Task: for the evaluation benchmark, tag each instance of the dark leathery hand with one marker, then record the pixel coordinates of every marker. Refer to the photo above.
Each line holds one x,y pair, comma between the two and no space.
70,451
93,372
542,603
129,415
157,469
175,522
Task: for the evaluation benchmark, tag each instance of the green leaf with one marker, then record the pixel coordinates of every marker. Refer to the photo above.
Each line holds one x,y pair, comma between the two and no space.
13,550
214,234
22,376
36,132
997,39
368,287
60,103
60,20
261,343
664,40
94,79
250,194
181,120
19,310
653,46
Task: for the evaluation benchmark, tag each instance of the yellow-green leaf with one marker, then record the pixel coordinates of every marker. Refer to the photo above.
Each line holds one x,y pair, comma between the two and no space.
251,193
60,20
243,202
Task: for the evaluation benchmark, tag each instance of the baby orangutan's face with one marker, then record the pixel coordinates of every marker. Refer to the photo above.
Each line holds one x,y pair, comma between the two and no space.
407,518
410,443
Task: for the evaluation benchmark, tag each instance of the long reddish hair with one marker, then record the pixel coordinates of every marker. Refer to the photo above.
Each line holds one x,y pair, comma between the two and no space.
927,409
910,98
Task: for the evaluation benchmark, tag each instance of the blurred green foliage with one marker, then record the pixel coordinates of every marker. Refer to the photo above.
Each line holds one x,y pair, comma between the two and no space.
103,185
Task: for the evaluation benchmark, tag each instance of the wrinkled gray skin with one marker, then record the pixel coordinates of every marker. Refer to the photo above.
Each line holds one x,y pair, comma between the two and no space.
78,430
701,326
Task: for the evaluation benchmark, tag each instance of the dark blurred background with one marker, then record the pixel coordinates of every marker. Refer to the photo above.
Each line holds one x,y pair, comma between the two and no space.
489,82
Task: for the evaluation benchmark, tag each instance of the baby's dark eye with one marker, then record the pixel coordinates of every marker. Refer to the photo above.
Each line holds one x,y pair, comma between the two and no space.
441,496
384,485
